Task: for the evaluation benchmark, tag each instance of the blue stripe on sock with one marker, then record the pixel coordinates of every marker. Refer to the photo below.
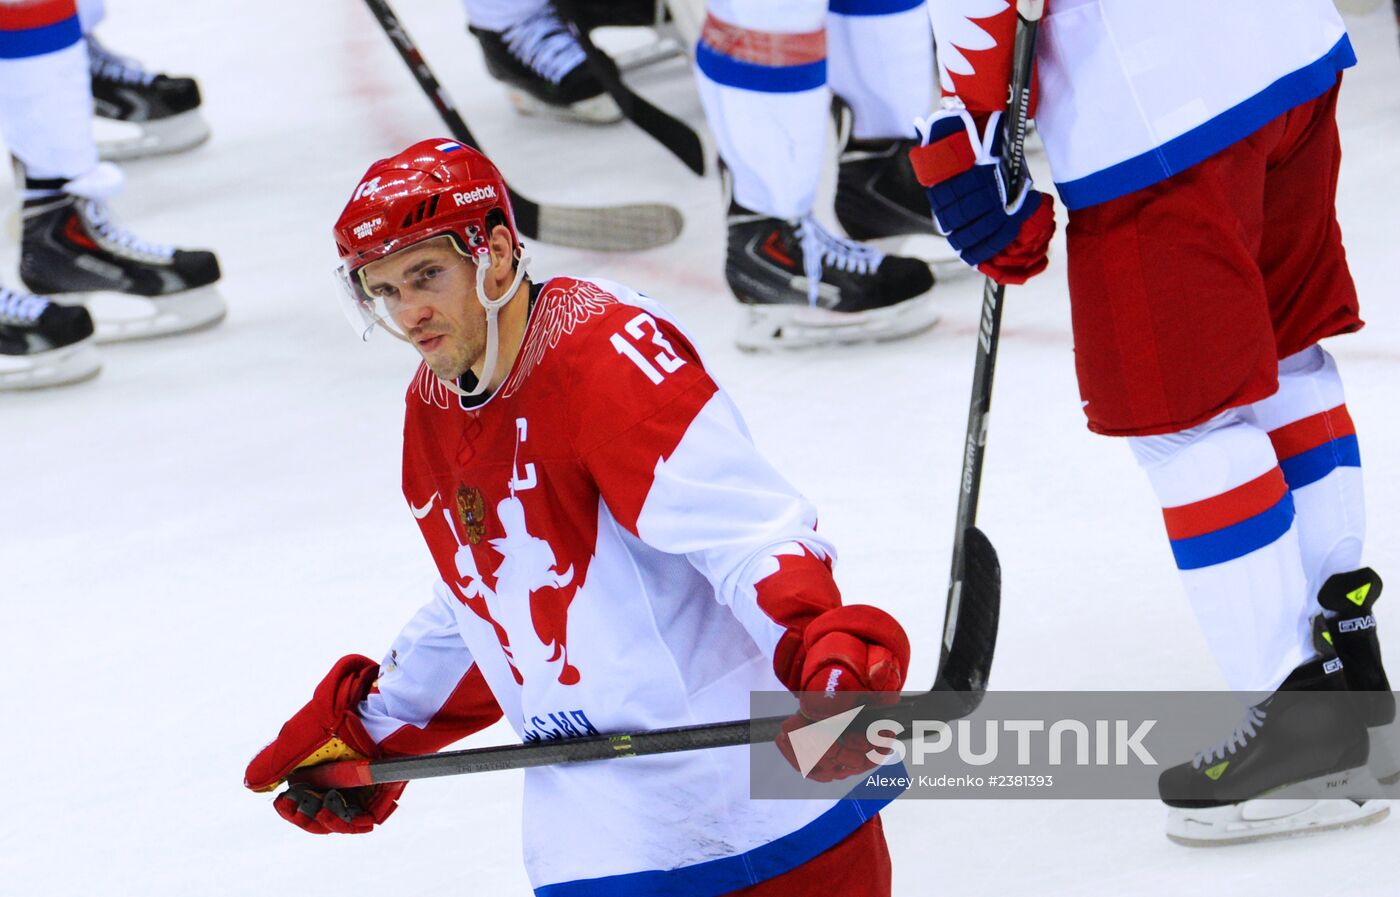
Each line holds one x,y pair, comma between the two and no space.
732,72
1316,463
38,41
1237,540
873,7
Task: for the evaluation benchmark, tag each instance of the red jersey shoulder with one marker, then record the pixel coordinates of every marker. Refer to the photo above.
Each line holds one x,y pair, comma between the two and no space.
565,308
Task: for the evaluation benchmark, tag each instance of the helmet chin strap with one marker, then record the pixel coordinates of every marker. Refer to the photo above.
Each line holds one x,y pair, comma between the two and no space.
493,308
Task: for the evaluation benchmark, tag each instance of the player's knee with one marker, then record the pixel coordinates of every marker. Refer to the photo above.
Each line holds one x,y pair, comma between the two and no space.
1156,451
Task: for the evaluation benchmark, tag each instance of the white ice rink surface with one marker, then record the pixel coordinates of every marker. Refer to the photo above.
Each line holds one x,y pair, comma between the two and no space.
188,542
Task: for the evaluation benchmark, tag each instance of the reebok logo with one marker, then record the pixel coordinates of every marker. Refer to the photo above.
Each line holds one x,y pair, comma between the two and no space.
832,681
1357,624
474,196
365,229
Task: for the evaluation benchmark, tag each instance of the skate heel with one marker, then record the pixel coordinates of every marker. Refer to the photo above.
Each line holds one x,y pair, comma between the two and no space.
1385,754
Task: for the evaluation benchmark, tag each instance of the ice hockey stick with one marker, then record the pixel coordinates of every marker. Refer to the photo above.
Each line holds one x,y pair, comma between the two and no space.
611,228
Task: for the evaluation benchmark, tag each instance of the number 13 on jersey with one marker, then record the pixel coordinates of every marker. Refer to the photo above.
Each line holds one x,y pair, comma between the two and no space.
660,363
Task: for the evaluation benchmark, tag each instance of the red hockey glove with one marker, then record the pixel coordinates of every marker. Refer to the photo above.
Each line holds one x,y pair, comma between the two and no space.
327,729
852,655
1006,238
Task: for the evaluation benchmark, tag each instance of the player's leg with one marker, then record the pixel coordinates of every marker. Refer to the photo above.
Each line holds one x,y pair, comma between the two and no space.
881,71
43,343
1313,297
761,68
1174,341
69,247
139,112
530,50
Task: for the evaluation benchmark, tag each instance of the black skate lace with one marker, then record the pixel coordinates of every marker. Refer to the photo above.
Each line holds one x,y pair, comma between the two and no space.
111,67
20,308
822,249
545,44
1247,729
116,240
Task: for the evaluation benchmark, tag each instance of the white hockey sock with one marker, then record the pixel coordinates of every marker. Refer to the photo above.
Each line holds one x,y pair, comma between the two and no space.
1229,517
761,73
1315,441
45,89
881,63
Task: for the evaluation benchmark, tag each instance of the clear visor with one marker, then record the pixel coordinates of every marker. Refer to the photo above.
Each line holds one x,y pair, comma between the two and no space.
380,292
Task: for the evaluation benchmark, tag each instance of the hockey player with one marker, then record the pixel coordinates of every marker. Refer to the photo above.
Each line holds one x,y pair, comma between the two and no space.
1197,151
614,554
763,73
70,246
530,50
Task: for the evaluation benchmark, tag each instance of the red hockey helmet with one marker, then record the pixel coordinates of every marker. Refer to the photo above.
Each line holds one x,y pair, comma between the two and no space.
434,188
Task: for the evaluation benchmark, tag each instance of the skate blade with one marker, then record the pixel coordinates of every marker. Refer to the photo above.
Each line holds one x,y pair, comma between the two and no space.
119,317
1266,818
599,110
121,141
57,367
801,326
1310,818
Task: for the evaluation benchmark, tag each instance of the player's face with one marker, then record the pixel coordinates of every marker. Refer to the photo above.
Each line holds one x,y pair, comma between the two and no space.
428,290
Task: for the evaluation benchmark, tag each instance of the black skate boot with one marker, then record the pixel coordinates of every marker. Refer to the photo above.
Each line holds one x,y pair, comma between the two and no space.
1350,598
135,289
1274,774
545,69
43,343
145,113
878,196
802,286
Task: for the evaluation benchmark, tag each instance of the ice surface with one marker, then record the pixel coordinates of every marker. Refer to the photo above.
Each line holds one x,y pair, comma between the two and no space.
188,542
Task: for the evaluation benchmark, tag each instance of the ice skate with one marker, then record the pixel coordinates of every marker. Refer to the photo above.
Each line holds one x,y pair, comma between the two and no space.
134,288
43,343
545,70
802,286
1295,765
1352,597
878,197
142,113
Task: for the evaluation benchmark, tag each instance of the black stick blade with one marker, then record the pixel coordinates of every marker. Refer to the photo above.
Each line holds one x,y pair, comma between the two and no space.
966,665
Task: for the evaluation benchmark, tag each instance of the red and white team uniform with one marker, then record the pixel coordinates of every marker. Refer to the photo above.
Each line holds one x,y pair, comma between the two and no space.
1196,147
614,555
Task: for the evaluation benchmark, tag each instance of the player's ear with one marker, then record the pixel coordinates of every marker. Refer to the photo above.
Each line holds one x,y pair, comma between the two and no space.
502,253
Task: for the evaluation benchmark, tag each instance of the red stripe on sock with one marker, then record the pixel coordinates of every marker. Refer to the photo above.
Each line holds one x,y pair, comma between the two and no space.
770,48
1307,434
38,14
1227,509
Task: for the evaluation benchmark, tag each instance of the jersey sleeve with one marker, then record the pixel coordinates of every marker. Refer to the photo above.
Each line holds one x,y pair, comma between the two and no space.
429,692
676,466
975,39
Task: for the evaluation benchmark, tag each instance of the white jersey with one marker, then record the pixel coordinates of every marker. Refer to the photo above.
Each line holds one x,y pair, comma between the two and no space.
614,555
1132,92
